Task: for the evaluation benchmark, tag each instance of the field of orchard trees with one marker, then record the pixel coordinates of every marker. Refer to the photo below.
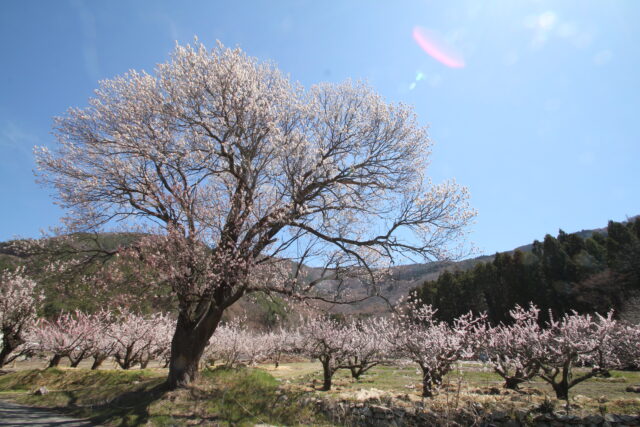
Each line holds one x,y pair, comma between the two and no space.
517,350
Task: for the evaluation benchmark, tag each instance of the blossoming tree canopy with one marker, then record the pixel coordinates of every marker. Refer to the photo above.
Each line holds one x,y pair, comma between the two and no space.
19,301
242,169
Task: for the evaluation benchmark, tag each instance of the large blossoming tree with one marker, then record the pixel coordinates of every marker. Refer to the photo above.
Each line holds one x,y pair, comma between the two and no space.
248,177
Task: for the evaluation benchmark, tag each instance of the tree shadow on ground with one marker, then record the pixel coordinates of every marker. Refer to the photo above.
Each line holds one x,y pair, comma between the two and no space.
130,407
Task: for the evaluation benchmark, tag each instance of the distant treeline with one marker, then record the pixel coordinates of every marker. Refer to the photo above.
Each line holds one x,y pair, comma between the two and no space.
559,274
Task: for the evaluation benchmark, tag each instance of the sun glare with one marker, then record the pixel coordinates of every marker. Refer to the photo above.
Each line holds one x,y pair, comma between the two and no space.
437,47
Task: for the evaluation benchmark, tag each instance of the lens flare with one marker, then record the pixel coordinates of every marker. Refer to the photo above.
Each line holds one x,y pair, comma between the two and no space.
437,48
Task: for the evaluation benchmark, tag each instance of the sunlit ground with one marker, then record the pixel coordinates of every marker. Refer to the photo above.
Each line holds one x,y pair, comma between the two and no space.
387,384
469,381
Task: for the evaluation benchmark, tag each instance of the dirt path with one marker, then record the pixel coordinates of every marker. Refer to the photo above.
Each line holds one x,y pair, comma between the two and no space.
12,414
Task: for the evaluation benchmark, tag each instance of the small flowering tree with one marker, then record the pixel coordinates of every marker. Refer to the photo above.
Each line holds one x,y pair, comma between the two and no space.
324,339
158,342
84,327
227,344
366,345
512,350
134,338
100,343
256,346
627,345
281,342
19,302
67,336
574,339
244,171
163,332
434,345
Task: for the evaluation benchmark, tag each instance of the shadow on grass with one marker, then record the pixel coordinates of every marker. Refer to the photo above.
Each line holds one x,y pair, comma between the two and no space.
129,408
238,397
244,396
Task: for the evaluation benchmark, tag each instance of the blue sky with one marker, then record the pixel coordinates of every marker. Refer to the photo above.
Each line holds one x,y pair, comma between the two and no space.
541,124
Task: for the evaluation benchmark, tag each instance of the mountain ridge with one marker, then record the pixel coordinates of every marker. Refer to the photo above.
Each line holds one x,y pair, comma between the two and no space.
401,282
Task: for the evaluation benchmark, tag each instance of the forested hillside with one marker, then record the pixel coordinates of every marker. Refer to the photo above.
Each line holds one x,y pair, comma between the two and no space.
591,270
78,272
586,272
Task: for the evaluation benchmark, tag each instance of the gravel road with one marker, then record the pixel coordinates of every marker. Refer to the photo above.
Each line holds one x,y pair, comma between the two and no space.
12,414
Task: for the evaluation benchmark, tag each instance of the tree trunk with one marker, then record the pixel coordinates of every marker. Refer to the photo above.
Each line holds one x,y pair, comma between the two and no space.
9,343
512,383
144,363
427,387
4,354
327,374
427,383
355,373
187,346
120,361
561,389
55,361
74,362
97,361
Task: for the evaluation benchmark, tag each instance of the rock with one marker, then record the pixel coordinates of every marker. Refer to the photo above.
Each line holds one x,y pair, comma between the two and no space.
569,419
41,391
633,389
544,418
521,415
593,419
381,412
499,416
611,418
629,420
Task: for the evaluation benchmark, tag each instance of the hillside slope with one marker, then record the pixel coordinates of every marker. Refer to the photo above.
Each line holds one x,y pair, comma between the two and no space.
259,309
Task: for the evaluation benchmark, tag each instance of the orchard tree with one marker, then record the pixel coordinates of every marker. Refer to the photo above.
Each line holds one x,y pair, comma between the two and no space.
366,345
256,347
577,339
227,344
281,342
325,339
19,302
99,343
627,346
66,336
433,344
248,177
136,338
513,349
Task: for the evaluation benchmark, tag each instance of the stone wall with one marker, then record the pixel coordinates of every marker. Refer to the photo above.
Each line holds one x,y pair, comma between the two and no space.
378,415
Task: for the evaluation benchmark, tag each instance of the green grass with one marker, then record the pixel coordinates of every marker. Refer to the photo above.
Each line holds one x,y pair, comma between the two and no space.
246,396
104,395
469,381
238,397
226,397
